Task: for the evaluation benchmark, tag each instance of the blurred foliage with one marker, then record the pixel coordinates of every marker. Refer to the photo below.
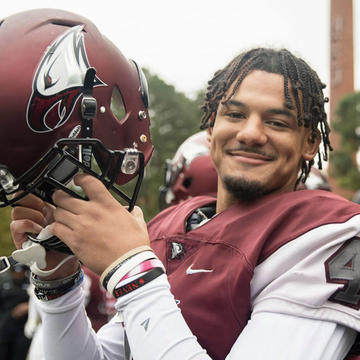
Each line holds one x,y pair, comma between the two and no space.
6,244
347,124
174,117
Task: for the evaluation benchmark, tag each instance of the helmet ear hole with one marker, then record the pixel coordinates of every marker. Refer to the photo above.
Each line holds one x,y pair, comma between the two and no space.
117,104
187,182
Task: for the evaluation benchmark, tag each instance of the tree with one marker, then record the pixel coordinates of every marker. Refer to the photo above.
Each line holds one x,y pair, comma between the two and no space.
347,124
6,244
174,117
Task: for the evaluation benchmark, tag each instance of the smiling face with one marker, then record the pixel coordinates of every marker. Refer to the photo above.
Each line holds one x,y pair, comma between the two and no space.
256,143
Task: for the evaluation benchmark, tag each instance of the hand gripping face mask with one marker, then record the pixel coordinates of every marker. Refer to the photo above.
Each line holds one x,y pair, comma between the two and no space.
70,102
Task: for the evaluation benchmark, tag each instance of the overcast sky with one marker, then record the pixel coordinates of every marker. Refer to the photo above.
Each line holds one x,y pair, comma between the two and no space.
185,42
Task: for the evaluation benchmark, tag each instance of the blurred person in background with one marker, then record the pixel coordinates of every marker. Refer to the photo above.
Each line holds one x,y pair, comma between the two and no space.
14,305
315,181
190,172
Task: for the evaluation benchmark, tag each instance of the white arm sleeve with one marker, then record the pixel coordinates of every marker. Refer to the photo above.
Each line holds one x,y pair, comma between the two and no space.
67,332
284,337
156,330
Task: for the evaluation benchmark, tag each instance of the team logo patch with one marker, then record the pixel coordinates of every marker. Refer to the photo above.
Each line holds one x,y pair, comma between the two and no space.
177,250
58,82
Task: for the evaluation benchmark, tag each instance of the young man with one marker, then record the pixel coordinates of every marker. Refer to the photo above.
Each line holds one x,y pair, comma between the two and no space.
272,273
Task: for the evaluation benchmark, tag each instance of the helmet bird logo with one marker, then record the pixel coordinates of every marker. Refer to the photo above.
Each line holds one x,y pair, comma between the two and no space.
58,82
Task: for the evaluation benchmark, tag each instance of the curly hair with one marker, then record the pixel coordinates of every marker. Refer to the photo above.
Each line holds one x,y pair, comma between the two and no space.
305,86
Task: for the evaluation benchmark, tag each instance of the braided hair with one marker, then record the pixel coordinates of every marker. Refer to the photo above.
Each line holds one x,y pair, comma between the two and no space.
305,86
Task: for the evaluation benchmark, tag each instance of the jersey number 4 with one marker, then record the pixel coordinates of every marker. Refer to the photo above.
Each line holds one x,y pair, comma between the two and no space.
343,267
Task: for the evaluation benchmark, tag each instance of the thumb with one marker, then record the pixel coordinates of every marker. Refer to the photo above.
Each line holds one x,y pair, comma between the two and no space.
139,216
137,213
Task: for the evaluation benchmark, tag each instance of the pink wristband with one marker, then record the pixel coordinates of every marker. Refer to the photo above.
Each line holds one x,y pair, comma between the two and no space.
143,267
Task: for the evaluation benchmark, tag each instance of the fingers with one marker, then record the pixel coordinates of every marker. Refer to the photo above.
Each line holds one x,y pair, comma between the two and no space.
33,208
63,232
27,218
20,228
36,216
93,188
67,202
69,236
48,211
65,217
31,201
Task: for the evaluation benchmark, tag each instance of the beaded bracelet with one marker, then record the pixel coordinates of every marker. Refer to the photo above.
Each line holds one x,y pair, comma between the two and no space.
46,294
137,283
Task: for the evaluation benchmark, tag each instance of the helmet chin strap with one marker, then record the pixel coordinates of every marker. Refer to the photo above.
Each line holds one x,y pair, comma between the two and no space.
88,113
33,254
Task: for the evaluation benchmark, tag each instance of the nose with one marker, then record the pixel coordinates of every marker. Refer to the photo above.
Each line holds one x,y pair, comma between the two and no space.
252,131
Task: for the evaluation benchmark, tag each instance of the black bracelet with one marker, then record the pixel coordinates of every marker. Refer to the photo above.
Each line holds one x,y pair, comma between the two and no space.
53,284
46,294
113,270
137,283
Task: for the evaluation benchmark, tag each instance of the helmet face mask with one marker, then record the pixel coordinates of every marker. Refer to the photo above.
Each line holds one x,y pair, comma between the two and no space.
58,167
54,124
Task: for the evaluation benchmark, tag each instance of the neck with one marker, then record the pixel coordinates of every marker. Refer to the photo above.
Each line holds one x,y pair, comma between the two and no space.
224,199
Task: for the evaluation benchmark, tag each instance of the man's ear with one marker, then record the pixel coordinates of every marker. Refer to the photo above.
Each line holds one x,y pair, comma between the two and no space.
311,146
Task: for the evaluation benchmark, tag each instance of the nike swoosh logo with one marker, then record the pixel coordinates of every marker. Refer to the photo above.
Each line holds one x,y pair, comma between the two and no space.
190,270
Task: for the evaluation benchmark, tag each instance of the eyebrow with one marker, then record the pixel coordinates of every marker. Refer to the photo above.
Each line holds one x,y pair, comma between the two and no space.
274,111
233,102
285,112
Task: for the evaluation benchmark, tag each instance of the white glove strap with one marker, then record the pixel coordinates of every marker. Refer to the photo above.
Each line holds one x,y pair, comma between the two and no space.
35,269
34,255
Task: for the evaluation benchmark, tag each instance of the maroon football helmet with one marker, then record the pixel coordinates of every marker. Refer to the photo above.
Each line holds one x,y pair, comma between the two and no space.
69,102
315,181
190,173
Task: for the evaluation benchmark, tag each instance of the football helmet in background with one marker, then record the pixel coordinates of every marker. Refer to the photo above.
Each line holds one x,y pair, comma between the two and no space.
315,181
68,99
190,173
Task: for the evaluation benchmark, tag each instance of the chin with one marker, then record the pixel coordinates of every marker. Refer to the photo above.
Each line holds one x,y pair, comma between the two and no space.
244,189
